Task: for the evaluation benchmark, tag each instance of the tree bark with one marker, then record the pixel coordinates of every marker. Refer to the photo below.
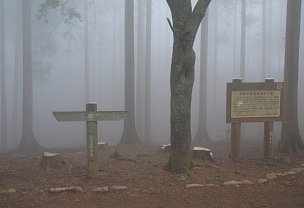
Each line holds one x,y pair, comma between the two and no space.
129,134
291,140
185,25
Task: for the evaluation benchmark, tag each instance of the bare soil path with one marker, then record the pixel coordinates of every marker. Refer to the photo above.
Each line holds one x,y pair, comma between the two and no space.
145,184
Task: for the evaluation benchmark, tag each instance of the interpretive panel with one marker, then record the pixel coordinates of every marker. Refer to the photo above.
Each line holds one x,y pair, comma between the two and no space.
254,102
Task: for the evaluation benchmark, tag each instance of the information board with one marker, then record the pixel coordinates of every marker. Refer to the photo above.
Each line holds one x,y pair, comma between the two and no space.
254,102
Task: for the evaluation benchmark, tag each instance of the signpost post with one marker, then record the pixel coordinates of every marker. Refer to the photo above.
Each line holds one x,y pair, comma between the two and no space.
91,116
253,102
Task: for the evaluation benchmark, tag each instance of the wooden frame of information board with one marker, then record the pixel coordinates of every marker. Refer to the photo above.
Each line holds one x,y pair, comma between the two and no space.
254,102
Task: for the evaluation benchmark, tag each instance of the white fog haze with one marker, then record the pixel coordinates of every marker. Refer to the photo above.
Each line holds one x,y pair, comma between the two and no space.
58,58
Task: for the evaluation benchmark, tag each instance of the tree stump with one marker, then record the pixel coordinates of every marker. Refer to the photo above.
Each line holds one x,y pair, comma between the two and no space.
103,146
202,153
54,161
165,148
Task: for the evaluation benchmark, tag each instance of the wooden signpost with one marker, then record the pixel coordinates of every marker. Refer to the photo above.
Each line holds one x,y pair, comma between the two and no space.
253,102
91,116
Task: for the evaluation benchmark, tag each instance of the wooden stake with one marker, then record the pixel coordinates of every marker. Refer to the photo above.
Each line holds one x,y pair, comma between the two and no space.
268,139
235,140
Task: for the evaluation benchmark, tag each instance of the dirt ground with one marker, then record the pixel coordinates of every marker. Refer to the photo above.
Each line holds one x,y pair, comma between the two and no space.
148,185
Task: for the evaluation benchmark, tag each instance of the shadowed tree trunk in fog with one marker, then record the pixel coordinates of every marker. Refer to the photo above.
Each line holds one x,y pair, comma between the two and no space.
147,135
202,133
291,140
141,59
3,78
235,41
215,62
264,46
243,41
185,25
28,142
86,53
114,58
16,93
129,135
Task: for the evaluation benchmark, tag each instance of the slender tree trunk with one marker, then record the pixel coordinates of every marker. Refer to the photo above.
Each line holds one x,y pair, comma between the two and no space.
235,38
16,93
3,78
202,133
141,59
264,47
86,53
147,135
185,25
215,64
291,140
129,135
28,142
243,41
114,59
269,40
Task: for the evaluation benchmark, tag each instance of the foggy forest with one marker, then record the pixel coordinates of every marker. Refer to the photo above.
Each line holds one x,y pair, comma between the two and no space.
81,59
156,98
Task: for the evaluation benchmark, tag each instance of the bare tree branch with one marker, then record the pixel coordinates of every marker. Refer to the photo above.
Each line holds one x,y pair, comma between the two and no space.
198,13
172,28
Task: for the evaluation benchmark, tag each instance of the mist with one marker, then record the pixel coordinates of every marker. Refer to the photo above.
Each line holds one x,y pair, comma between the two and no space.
58,58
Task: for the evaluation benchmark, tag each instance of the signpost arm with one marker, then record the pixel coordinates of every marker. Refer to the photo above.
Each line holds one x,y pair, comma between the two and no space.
91,116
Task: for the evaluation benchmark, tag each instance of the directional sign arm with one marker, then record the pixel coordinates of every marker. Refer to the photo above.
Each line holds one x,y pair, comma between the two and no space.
71,116
111,115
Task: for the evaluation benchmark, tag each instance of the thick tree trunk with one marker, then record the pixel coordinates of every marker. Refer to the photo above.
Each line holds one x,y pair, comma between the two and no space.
28,142
129,135
181,95
185,25
3,79
291,140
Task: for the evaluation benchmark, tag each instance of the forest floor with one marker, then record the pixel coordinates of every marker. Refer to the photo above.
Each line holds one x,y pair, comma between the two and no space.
141,181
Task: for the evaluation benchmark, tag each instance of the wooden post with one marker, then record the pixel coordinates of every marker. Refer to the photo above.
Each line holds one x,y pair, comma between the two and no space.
268,131
91,116
268,139
235,140
235,132
92,143
254,102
